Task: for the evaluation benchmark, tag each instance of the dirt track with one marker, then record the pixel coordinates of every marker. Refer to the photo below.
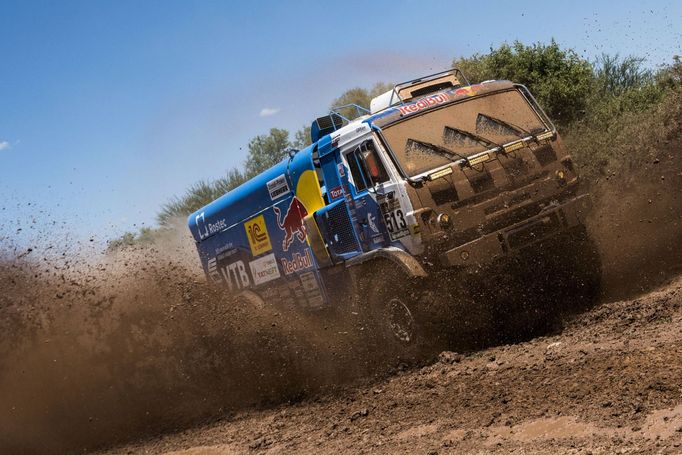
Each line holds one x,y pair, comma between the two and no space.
611,381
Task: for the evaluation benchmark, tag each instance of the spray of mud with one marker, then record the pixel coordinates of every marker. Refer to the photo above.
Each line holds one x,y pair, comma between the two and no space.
637,220
93,352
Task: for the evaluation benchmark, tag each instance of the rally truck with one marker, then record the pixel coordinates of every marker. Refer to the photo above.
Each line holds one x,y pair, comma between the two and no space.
434,187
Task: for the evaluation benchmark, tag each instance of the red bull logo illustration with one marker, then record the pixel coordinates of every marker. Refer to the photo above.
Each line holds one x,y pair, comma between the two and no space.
292,223
423,104
468,91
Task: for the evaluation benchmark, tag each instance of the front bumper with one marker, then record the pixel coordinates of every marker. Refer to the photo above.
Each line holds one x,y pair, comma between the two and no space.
508,241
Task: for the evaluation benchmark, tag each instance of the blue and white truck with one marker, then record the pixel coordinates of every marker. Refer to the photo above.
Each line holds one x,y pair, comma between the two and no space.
438,178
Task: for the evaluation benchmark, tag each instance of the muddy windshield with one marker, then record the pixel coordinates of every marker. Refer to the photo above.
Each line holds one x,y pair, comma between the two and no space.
435,138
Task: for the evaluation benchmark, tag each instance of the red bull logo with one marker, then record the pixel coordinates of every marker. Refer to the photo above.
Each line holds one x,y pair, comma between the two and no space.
297,263
423,104
292,223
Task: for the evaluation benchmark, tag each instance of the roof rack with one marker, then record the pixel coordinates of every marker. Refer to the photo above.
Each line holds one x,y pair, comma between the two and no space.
408,90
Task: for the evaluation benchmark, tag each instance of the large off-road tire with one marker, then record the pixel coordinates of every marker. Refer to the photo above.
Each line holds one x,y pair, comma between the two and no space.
392,310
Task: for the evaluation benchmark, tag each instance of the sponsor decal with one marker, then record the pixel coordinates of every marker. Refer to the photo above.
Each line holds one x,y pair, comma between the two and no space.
336,192
292,223
341,171
213,270
278,187
234,274
378,238
468,91
372,223
227,246
423,104
206,229
311,288
297,263
226,254
257,233
264,269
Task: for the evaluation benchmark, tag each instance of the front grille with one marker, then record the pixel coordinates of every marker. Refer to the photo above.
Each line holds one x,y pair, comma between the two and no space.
500,222
515,168
340,230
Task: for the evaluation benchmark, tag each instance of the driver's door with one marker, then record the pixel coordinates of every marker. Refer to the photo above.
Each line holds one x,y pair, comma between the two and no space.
367,178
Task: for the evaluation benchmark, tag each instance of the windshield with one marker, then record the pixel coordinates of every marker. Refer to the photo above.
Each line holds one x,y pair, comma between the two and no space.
438,137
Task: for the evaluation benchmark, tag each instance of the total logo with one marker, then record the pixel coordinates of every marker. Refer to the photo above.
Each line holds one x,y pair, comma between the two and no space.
423,104
297,263
336,193
292,223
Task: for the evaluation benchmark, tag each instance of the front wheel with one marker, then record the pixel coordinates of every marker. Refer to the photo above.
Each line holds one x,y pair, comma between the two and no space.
392,308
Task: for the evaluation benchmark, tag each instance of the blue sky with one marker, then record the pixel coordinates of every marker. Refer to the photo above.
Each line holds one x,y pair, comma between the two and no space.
107,109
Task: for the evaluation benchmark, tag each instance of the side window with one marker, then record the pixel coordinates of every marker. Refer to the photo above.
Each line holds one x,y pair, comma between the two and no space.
366,166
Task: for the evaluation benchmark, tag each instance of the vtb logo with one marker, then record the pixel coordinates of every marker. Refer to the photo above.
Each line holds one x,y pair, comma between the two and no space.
257,233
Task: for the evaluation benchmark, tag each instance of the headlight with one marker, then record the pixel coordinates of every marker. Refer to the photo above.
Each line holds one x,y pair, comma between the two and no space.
444,221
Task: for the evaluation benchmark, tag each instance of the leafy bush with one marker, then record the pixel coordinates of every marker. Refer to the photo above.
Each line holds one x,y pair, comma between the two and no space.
559,78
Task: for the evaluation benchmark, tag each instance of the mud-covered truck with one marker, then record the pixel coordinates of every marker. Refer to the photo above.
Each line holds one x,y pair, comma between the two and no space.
438,184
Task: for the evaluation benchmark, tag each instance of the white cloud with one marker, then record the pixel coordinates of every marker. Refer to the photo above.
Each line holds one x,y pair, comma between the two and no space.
4,145
268,111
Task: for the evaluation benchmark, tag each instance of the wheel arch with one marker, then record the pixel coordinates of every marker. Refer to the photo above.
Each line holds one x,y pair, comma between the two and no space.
407,263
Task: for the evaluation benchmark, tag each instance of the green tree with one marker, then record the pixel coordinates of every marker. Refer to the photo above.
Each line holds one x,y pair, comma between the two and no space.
360,96
232,180
302,138
559,78
266,150
615,75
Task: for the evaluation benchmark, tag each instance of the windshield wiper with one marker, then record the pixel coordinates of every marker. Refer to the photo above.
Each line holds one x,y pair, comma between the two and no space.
518,129
437,149
470,135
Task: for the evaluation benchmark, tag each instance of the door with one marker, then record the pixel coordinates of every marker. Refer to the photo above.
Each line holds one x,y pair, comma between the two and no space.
368,182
